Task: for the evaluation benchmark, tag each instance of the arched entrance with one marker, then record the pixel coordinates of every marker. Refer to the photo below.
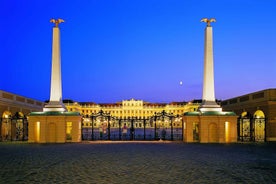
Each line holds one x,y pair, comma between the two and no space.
244,127
259,126
251,127
13,127
19,127
6,126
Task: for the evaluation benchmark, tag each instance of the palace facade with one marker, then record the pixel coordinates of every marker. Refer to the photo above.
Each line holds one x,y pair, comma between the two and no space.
131,108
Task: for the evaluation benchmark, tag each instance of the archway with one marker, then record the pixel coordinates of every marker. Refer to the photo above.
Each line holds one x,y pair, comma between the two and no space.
5,126
19,127
244,127
258,126
251,127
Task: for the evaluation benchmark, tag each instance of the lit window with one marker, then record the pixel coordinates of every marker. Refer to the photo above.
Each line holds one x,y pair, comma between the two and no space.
69,131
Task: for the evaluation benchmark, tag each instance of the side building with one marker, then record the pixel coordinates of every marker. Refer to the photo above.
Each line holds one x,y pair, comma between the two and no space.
14,110
257,115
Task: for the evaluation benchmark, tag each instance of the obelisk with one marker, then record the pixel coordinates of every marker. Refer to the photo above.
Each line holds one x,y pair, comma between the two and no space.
208,95
55,104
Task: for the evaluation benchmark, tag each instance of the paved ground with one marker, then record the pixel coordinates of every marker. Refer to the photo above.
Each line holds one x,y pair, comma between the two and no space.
137,162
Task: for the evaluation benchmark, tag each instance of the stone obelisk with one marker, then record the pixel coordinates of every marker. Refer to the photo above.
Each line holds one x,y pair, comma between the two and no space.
55,124
55,104
208,96
214,125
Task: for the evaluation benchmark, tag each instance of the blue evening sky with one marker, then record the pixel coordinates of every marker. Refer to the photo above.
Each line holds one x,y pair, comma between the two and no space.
113,50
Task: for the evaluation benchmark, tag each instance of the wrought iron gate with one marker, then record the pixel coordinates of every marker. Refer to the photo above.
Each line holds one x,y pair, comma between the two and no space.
251,129
161,126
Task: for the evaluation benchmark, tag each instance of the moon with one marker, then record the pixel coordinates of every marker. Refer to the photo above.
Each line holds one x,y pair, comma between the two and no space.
180,83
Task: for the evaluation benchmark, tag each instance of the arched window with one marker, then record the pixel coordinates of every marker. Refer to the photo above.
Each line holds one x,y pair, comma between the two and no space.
259,114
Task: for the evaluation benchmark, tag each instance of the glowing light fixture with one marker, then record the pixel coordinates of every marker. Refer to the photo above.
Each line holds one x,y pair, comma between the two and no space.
226,131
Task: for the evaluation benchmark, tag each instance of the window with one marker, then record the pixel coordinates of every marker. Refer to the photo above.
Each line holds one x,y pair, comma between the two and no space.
69,131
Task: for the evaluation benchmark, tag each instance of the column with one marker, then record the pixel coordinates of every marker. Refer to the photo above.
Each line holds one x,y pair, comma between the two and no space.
208,94
55,103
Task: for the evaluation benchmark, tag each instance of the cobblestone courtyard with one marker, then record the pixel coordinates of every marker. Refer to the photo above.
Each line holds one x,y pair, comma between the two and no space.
137,162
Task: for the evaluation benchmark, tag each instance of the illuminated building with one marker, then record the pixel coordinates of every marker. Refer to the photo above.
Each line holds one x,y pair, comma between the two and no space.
257,115
131,108
139,116
13,115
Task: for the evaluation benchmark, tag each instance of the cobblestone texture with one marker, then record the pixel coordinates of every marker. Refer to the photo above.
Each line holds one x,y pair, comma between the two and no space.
137,162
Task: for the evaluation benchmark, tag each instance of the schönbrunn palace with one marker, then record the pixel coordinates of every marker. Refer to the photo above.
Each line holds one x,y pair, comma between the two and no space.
256,122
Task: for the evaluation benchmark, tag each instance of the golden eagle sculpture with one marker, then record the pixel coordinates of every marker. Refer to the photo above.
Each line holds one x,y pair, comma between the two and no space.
56,21
208,21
